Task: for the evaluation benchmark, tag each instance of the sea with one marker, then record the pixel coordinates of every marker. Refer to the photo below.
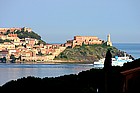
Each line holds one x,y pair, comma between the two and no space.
130,48
14,71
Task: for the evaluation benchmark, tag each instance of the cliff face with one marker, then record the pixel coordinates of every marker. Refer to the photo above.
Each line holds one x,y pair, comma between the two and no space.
88,53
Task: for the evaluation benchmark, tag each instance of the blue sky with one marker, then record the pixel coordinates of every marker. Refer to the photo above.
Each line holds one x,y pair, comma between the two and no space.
60,20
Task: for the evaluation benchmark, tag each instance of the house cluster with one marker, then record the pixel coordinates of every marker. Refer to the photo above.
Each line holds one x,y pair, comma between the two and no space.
4,30
26,49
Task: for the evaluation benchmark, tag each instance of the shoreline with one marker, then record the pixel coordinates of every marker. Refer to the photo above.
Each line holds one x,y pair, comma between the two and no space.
50,62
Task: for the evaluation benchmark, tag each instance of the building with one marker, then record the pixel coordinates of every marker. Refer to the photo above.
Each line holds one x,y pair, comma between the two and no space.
3,37
7,46
27,29
12,35
4,30
31,41
79,40
3,53
109,43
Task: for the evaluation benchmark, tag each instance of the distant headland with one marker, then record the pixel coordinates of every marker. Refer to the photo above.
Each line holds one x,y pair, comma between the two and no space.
24,45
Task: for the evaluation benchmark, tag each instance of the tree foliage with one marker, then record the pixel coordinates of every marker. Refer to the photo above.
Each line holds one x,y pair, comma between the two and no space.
3,60
88,53
1,41
13,59
108,60
6,40
26,34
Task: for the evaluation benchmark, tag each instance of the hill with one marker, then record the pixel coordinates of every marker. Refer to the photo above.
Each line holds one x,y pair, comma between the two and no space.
88,53
31,34
25,34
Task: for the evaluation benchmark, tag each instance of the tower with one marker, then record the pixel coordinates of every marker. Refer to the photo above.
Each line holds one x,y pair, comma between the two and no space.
109,43
108,37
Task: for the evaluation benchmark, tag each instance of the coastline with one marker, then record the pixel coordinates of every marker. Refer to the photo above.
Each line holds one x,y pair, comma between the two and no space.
14,71
126,47
51,62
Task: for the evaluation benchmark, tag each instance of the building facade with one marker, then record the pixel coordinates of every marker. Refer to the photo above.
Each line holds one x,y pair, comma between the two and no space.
79,40
109,43
4,30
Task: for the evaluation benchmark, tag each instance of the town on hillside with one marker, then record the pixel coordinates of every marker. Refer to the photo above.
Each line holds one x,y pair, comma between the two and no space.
24,45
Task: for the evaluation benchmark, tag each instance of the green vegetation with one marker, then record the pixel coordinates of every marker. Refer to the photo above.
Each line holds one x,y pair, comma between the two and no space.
1,41
88,53
39,53
13,59
25,34
3,60
41,42
6,40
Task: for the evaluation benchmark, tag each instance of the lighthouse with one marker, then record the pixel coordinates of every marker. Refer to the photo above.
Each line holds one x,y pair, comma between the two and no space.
109,43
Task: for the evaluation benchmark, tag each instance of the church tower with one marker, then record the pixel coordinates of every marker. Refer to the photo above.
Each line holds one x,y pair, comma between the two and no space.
109,43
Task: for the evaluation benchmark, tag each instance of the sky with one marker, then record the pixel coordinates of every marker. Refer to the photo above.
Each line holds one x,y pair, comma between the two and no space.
57,21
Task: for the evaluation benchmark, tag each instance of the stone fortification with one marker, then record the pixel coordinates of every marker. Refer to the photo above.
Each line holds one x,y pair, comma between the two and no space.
4,30
79,40
87,40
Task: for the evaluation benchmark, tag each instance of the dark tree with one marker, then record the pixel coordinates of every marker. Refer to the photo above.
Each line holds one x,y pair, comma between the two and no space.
3,60
108,60
108,70
13,59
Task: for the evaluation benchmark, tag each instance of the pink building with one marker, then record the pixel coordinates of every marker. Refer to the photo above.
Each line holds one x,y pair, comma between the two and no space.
79,40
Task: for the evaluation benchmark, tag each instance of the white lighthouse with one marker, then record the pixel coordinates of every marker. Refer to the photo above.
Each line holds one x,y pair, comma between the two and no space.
109,43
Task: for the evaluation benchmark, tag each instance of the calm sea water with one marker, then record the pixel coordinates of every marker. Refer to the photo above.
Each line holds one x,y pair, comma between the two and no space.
14,71
130,48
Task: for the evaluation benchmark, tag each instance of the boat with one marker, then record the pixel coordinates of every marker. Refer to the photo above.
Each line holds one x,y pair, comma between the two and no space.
116,61
99,64
119,61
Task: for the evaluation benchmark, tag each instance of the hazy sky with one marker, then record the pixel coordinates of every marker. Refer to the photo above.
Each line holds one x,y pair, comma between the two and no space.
60,20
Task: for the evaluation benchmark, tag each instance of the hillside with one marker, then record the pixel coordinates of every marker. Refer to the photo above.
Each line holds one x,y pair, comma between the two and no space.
31,34
87,53
25,34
